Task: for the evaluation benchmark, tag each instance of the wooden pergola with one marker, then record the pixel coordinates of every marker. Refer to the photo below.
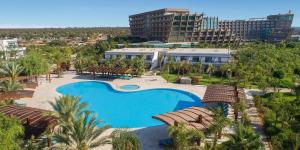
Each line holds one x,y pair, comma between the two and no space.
110,70
35,121
194,117
223,94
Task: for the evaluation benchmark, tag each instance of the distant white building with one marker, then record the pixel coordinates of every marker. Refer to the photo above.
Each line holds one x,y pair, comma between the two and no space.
205,56
150,54
9,49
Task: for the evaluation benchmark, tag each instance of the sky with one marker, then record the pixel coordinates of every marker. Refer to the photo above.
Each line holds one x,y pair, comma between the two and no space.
114,13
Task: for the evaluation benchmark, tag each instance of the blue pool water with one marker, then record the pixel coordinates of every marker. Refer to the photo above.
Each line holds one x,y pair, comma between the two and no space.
130,87
129,109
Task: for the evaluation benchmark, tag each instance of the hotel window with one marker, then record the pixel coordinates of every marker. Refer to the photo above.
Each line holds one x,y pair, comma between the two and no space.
208,59
149,57
219,59
183,58
195,59
128,56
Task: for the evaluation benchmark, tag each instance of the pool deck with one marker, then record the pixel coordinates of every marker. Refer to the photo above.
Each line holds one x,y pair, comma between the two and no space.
46,92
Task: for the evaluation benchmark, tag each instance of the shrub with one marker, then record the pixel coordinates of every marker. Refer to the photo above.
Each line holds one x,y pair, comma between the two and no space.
178,79
279,74
195,80
297,71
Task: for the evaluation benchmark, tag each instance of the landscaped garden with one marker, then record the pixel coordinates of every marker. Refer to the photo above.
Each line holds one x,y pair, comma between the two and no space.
269,67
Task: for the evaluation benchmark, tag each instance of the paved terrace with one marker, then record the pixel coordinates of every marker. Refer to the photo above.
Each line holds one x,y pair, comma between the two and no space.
46,92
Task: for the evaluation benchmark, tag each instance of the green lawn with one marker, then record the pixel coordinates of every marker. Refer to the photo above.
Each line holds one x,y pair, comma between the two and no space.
204,79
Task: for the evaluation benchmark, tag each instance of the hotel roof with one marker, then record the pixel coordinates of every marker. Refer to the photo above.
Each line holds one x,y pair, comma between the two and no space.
137,50
199,51
173,51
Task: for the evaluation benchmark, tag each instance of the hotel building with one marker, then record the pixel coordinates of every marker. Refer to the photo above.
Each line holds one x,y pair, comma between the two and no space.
9,49
216,57
179,25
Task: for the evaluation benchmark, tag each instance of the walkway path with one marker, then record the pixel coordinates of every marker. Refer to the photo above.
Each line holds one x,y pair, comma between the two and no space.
255,118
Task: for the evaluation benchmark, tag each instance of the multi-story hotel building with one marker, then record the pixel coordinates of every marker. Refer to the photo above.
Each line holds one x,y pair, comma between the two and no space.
179,25
273,28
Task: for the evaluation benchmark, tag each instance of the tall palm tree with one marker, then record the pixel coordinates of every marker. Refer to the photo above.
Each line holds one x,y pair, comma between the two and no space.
161,59
124,140
220,122
170,64
68,107
209,69
243,139
83,134
58,59
198,67
11,69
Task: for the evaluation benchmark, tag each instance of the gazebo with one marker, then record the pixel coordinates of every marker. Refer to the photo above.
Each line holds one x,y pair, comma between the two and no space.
35,121
195,117
223,95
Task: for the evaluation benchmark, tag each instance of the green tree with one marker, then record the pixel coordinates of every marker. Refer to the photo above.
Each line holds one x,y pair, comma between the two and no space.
244,138
12,70
58,59
83,134
102,46
209,69
125,140
11,132
68,108
184,137
220,122
34,63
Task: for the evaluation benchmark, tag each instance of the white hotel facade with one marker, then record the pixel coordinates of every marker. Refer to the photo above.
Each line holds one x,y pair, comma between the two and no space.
10,49
214,56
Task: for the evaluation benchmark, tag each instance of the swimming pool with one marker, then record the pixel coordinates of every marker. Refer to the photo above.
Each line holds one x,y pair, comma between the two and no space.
130,87
129,109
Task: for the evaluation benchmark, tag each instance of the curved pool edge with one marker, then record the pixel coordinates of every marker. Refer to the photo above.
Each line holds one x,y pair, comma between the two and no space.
116,88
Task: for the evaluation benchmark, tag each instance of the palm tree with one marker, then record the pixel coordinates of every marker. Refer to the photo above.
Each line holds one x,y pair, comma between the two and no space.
220,122
83,134
209,69
67,108
58,59
79,63
184,137
198,67
124,140
179,67
10,85
170,64
243,139
12,70
161,59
